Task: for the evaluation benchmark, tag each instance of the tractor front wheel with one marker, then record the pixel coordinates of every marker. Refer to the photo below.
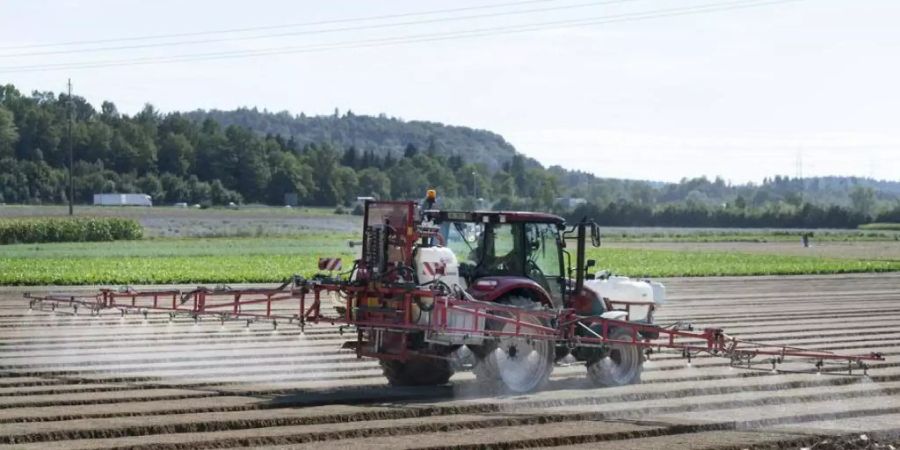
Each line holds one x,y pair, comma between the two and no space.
420,371
516,364
621,365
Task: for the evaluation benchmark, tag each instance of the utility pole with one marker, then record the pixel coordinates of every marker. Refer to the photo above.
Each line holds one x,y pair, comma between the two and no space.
71,159
800,173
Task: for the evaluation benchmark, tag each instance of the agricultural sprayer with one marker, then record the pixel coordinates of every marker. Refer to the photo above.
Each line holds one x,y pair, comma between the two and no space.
502,287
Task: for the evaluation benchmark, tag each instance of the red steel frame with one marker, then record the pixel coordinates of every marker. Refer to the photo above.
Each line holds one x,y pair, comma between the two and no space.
301,300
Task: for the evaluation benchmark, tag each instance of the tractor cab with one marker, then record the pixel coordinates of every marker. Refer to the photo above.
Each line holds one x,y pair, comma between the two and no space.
495,256
502,253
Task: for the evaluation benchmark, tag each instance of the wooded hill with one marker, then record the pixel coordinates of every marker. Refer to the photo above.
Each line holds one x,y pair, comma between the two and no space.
251,156
382,135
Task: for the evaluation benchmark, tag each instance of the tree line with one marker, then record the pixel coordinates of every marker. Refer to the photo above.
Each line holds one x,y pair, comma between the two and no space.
175,159
241,156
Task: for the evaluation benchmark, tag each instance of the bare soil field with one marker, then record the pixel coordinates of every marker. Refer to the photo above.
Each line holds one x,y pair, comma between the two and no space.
167,221
78,382
877,250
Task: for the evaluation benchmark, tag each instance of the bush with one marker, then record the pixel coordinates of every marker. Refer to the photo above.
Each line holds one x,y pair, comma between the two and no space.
80,229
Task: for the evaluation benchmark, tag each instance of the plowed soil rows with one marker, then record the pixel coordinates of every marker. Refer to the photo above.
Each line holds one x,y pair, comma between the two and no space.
71,382
706,439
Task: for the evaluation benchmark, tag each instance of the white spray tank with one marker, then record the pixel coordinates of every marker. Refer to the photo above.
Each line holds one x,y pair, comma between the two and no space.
434,264
640,295
438,264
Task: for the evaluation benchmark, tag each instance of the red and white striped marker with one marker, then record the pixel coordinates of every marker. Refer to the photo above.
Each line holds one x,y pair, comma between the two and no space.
329,263
434,268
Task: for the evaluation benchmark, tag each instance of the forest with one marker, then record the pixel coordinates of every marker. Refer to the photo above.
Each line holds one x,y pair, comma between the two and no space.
247,156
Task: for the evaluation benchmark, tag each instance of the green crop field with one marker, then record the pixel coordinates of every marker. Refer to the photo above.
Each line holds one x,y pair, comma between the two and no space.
668,263
236,260
653,234
206,260
311,244
885,226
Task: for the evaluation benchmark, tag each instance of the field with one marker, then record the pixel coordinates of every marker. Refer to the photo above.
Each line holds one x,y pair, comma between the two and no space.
112,382
262,221
881,226
755,235
271,259
266,244
169,221
77,382
859,250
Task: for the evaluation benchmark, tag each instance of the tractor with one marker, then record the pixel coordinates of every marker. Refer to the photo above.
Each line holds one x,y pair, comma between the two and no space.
519,260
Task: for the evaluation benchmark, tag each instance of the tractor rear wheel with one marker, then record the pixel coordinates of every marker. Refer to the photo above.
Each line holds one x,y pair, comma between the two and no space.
621,365
516,364
420,371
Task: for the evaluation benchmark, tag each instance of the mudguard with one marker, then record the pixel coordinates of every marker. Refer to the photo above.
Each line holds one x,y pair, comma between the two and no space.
489,289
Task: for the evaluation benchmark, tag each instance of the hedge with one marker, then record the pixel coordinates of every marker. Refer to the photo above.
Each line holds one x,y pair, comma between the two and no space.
69,229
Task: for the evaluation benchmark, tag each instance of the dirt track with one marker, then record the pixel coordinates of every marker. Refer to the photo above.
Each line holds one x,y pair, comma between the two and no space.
83,382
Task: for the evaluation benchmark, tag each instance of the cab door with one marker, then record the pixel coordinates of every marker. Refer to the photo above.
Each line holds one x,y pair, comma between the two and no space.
544,263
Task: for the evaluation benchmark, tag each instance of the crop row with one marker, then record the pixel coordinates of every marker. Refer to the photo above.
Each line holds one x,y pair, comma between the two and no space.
263,267
69,229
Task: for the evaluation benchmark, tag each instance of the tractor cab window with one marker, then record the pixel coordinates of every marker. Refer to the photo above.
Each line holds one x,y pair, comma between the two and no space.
486,249
544,263
463,238
503,253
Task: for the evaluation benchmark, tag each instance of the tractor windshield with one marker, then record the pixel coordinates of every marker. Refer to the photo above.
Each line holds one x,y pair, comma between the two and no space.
544,263
487,249
462,238
521,249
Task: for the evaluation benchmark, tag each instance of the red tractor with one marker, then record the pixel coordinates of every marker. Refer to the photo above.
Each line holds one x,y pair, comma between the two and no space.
501,286
518,260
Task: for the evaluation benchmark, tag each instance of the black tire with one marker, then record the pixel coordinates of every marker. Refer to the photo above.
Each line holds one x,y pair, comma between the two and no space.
421,371
622,365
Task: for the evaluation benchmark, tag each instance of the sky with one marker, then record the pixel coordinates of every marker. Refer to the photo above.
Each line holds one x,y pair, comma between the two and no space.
643,89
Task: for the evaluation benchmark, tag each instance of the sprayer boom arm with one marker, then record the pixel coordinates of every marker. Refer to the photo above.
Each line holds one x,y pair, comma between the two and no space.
301,300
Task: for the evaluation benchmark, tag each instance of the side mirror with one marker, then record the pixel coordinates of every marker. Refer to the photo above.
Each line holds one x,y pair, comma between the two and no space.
587,269
595,234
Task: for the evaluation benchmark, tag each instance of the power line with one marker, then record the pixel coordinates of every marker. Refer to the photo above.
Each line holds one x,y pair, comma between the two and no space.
712,7
313,32
275,27
537,26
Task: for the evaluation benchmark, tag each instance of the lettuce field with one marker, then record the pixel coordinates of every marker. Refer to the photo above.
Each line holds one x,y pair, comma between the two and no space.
244,260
